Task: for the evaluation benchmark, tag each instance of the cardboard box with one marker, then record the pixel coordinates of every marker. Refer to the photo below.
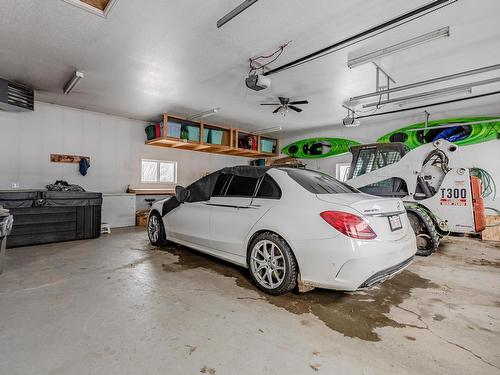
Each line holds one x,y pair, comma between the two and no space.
141,218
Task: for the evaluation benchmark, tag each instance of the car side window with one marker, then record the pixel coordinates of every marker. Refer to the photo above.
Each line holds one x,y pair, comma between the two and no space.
269,188
220,184
241,186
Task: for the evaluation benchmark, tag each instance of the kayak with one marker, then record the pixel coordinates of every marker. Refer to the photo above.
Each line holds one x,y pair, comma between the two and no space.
461,135
315,148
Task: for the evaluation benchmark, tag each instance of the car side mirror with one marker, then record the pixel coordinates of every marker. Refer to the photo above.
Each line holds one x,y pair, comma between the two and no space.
182,194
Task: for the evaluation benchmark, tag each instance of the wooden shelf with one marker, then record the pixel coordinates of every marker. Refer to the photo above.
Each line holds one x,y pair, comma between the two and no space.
145,191
229,144
206,147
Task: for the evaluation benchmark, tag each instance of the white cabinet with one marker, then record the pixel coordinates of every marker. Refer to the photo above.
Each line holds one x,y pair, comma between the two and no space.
118,209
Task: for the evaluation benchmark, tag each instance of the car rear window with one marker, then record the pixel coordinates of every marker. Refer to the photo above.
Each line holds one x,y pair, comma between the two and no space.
241,186
319,183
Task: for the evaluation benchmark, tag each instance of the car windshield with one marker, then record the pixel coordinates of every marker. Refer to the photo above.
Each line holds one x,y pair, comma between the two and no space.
319,183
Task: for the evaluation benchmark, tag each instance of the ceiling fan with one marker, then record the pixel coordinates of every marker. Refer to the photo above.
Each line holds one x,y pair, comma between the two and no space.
285,105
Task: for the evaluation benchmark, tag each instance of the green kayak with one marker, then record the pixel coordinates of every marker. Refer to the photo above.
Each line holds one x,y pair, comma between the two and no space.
459,134
315,148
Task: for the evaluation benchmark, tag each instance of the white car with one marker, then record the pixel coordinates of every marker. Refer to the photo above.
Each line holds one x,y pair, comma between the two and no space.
289,226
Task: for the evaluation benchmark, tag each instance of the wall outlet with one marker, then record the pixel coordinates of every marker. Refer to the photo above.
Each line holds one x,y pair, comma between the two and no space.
15,185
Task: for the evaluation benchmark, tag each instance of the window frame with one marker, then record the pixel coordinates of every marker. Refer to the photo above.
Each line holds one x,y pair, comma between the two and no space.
224,187
228,184
158,163
259,183
256,190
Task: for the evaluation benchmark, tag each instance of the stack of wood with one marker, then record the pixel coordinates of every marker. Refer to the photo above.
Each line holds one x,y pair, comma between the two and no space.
285,162
491,233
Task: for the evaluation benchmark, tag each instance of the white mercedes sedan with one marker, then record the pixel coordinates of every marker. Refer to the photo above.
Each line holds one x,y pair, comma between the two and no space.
290,227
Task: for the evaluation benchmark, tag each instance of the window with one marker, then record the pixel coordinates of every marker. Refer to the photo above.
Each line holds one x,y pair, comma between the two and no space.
241,186
269,188
319,183
342,171
158,172
220,184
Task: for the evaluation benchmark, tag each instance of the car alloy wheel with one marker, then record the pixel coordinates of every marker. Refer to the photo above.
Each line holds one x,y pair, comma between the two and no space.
154,228
156,231
267,264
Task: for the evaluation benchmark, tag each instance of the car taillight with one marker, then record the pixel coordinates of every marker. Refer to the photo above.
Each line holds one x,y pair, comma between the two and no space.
349,224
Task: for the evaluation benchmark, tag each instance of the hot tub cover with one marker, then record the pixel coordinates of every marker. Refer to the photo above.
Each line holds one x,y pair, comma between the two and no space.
201,190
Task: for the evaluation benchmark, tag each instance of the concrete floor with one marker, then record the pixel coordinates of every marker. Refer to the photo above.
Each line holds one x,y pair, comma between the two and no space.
116,305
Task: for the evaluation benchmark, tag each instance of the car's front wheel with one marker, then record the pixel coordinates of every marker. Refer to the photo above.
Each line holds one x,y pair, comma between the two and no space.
272,264
156,230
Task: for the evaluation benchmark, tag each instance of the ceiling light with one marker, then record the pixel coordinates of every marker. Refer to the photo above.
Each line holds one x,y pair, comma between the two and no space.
466,91
71,84
369,57
201,115
240,8
434,93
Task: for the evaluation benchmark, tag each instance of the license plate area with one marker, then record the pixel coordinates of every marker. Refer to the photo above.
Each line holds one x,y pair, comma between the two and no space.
395,222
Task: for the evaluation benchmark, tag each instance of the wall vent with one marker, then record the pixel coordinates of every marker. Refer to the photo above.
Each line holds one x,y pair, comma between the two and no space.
15,97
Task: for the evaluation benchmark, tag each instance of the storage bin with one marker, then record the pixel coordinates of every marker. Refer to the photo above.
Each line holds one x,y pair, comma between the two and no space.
174,129
193,133
206,135
150,132
267,145
215,137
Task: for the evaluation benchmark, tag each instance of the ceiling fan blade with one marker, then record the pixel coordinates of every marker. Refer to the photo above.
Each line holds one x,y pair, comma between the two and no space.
276,110
283,100
300,102
295,108
270,104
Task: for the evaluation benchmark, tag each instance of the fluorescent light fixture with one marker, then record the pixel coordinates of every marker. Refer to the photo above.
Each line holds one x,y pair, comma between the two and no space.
369,57
71,84
240,8
466,91
429,82
452,125
268,130
201,115
433,93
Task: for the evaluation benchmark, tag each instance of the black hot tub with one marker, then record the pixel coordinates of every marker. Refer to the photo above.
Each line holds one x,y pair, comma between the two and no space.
42,216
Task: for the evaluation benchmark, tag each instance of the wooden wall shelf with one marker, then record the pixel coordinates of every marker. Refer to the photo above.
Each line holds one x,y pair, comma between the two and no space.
229,140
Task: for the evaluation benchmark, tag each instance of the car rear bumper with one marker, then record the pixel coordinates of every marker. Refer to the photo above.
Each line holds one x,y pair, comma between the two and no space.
342,263
383,275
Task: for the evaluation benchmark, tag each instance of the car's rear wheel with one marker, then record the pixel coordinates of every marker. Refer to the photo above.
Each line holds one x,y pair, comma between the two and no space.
156,231
272,264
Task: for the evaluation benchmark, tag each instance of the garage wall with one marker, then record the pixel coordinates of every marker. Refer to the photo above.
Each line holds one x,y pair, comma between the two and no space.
483,155
114,144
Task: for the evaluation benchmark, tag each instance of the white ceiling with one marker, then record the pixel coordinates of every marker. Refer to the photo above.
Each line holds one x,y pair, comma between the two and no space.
155,56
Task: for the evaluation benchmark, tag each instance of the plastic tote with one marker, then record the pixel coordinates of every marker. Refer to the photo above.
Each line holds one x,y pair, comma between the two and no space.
267,145
174,129
150,132
193,133
206,135
215,137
